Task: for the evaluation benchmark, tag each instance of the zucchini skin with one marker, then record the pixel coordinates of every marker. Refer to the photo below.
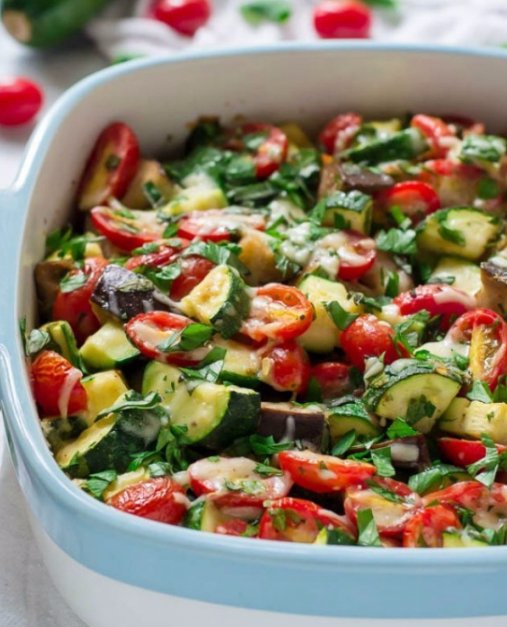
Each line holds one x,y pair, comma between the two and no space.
46,24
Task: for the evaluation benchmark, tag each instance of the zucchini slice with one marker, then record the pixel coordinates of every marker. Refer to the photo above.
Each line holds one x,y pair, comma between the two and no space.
348,416
200,193
108,348
459,273
63,337
460,231
418,391
404,144
471,419
349,210
60,431
241,363
203,515
214,415
103,389
460,539
220,299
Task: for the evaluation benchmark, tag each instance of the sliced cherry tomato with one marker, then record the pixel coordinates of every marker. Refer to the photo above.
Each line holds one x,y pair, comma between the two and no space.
342,19
438,300
216,225
57,386
339,132
271,151
160,499
468,494
464,452
148,331
285,367
493,512
184,16
277,312
357,255
298,520
233,527
74,306
111,166
20,101
415,199
487,333
324,473
127,229
392,503
193,270
367,337
332,378
234,482
165,254
426,528
436,131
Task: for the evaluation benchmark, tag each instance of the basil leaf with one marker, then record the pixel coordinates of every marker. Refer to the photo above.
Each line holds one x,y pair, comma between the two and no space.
392,285
368,534
451,235
191,337
381,457
258,11
419,408
220,254
388,495
36,341
397,241
480,392
339,316
268,471
209,368
132,400
72,281
98,482
400,429
485,469
344,443
264,446
431,479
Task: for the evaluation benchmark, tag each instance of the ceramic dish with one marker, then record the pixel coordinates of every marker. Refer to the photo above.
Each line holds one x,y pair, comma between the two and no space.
115,569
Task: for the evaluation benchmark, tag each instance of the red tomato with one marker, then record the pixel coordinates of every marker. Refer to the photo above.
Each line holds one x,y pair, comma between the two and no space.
464,452
339,132
435,130
446,167
468,494
127,229
493,511
357,255
111,166
324,473
20,101
57,386
277,312
216,225
148,330
297,520
425,528
367,337
487,333
233,527
415,199
226,476
332,377
75,306
438,300
184,16
163,256
391,514
286,367
271,152
159,499
193,270
342,19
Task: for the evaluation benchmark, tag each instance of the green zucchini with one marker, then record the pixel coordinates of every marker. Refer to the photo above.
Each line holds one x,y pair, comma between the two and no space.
108,348
415,390
200,193
460,539
220,299
204,516
460,231
348,210
334,536
351,415
471,419
241,363
60,431
405,144
459,273
64,341
103,389
45,23
214,415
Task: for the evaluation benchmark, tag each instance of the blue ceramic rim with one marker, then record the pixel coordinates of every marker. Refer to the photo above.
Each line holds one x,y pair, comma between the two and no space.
26,428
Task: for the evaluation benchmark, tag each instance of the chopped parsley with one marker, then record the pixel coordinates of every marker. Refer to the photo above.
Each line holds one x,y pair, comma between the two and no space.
381,457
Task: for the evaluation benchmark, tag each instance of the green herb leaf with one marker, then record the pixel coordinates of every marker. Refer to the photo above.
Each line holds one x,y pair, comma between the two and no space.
451,235
392,285
344,443
488,148
488,189
400,429
265,445
191,337
268,471
73,281
258,11
389,495
209,368
223,253
419,408
383,4
340,317
36,341
480,392
397,241
132,400
368,534
432,479
381,457
485,469
153,195
98,482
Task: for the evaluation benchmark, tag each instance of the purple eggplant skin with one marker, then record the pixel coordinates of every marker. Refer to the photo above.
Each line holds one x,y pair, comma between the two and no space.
286,421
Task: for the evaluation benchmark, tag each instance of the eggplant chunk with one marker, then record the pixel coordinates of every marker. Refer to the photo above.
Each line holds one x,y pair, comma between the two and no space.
123,294
348,176
493,294
283,420
48,275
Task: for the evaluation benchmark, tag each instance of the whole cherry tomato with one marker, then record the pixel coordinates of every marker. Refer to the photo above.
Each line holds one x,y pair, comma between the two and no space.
183,16
20,101
339,132
342,19
415,199
285,367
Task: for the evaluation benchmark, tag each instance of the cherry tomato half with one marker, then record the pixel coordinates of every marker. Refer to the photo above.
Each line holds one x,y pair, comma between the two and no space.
367,337
20,101
298,520
342,19
426,527
436,131
183,16
127,229
339,132
166,253
74,306
468,494
332,378
233,527
324,473
160,499
464,452
216,225
277,312
270,152
415,199
285,367
487,333
193,270
111,166
57,386
357,255
148,331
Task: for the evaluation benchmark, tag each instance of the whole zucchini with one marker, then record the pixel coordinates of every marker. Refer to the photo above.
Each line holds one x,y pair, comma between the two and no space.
46,23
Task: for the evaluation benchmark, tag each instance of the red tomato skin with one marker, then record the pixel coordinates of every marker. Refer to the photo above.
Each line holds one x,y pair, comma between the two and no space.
20,101
118,140
434,129
183,16
426,527
164,256
324,473
339,132
464,452
367,337
104,221
332,377
410,194
342,19
469,494
363,247
75,306
272,152
193,270
234,527
159,499
286,367
190,228
49,372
